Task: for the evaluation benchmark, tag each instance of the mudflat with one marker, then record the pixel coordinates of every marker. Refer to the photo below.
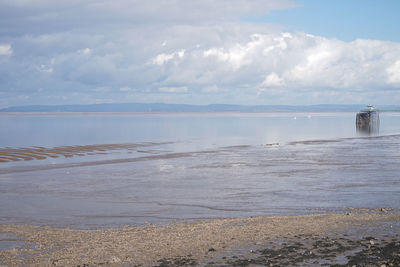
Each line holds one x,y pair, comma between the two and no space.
358,237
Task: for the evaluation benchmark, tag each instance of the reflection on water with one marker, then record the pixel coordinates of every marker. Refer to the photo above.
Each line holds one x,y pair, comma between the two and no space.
204,129
368,122
197,130
368,130
224,166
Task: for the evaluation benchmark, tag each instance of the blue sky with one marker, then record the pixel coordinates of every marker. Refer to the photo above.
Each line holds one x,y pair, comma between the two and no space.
295,52
342,19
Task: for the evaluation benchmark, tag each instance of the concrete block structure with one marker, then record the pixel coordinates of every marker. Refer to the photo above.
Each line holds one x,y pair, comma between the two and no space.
367,121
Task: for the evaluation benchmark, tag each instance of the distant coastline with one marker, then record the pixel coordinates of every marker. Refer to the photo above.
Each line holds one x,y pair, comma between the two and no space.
162,107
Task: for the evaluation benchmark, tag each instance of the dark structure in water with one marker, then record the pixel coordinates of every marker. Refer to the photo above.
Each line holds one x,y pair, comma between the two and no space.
367,121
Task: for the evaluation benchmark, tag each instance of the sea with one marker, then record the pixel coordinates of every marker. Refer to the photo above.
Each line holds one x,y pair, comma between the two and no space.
91,170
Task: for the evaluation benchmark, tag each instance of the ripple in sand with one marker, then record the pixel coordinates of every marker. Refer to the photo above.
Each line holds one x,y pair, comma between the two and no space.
8,154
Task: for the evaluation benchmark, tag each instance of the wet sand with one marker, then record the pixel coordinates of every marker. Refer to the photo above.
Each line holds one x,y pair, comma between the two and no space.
8,154
358,237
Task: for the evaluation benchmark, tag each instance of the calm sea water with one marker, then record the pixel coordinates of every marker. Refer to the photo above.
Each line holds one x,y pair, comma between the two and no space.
195,166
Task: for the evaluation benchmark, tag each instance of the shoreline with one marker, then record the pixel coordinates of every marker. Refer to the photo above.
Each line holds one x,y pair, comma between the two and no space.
289,240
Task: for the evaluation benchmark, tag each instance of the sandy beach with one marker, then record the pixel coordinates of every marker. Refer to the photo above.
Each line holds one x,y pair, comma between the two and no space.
358,237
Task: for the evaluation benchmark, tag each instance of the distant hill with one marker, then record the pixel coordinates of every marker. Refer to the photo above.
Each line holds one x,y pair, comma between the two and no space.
160,107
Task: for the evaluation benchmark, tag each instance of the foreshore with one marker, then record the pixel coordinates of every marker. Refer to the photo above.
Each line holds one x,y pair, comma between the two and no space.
360,237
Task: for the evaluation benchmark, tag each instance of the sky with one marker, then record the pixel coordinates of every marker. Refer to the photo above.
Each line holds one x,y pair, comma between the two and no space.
250,52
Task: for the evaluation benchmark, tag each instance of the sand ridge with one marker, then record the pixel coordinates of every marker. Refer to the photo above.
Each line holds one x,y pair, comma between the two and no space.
8,154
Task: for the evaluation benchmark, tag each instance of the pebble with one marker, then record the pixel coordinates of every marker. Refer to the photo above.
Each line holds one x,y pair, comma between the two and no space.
115,259
372,242
383,265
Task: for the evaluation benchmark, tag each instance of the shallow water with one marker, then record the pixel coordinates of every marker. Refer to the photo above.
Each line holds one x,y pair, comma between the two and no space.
191,166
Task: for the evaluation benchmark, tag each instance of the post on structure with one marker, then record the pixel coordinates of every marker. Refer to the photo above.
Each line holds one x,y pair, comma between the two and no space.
367,121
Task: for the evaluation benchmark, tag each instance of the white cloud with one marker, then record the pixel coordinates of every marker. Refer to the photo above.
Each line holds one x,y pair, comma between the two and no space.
272,80
310,62
393,72
238,55
235,56
182,89
5,50
47,67
44,68
85,51
164,58
155,48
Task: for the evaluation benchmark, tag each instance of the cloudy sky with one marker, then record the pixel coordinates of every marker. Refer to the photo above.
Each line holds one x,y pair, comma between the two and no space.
199,52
